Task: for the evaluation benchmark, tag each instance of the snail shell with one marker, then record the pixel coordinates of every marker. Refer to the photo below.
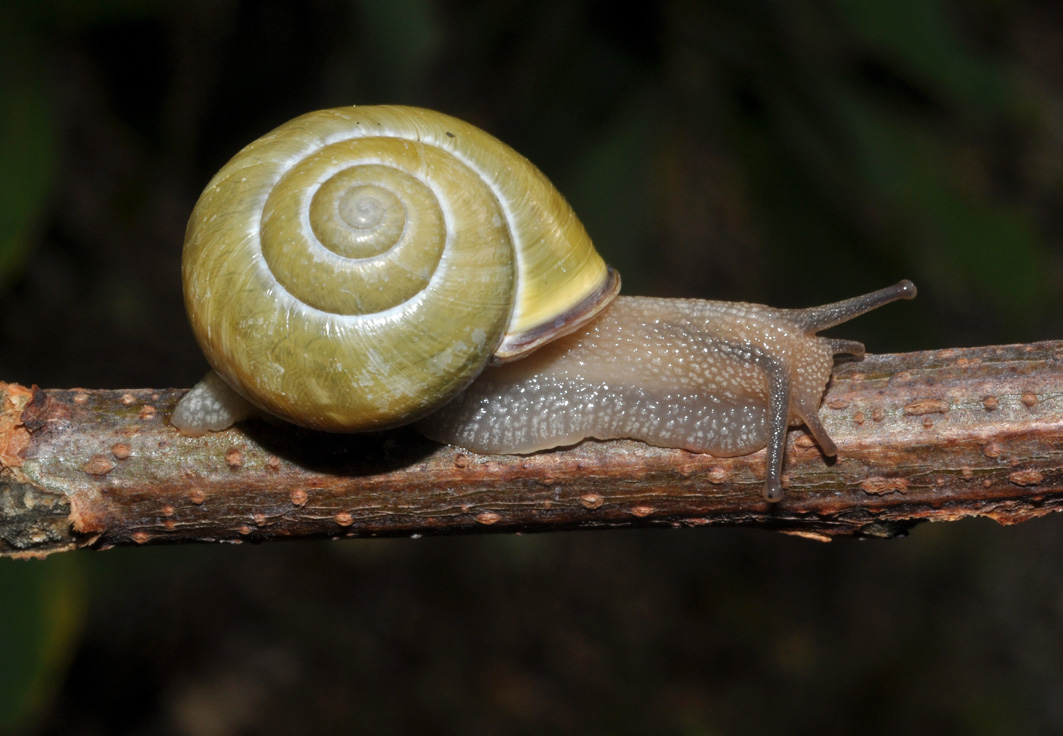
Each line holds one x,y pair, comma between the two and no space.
356,268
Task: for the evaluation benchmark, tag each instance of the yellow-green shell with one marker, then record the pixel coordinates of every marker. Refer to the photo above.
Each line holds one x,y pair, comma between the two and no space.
357,267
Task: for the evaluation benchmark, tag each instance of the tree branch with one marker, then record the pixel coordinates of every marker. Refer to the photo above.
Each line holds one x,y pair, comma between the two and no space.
922,436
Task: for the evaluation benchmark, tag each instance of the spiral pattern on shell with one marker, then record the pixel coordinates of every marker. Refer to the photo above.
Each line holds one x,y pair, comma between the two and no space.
357,267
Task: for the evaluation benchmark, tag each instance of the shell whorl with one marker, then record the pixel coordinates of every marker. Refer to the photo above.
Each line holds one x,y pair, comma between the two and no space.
357,267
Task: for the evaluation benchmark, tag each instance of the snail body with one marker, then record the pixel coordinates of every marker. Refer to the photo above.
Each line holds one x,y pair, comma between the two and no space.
358,268
723,378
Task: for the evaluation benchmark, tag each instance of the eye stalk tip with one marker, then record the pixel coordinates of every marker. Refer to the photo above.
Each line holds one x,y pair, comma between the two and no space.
906,289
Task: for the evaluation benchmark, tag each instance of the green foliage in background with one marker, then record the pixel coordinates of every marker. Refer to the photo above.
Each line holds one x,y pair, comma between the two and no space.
27,140
29,145
404,38
915,164
859,125
41,610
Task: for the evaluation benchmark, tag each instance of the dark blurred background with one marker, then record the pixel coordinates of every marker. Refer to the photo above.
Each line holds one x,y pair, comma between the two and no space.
788,153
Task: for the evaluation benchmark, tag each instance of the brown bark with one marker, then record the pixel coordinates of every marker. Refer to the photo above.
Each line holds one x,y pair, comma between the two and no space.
922,436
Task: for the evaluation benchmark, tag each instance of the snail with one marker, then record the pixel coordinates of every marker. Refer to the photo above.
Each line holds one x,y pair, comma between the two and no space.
367,267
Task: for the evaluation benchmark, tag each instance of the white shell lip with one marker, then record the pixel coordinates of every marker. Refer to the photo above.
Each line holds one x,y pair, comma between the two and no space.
518,345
